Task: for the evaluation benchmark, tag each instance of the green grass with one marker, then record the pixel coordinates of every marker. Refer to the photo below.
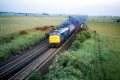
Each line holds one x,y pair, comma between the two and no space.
109,51
105,28
10,24
20,43
109,47
87,53
75,64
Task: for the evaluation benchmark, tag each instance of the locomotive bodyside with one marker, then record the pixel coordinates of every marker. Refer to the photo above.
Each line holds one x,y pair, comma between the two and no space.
56,37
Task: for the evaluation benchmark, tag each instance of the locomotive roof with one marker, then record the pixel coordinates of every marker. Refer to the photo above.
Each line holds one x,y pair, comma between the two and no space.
61,30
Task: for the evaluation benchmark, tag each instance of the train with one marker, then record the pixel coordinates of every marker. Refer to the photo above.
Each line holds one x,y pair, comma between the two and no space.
58,36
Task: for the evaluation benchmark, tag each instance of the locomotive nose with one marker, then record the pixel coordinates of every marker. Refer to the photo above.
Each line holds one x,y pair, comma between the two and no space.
54,39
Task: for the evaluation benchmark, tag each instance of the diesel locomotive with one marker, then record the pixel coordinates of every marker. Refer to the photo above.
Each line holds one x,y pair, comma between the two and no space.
58,36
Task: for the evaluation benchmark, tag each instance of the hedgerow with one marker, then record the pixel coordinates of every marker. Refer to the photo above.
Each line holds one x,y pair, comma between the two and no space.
80,38
76,44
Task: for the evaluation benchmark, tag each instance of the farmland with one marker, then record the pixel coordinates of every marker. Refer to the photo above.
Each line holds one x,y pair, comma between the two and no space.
9,24
109,47
104,26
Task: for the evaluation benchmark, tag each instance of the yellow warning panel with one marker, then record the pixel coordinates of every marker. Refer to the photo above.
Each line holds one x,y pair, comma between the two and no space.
54,39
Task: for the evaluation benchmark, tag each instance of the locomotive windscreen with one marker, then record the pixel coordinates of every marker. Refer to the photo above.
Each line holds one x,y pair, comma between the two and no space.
55,33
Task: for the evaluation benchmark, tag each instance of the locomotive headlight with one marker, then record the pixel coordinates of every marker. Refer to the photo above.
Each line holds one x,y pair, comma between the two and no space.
54,39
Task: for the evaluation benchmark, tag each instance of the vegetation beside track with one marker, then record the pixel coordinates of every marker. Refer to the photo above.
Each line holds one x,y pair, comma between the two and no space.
109,46
20,43
109,57
78,63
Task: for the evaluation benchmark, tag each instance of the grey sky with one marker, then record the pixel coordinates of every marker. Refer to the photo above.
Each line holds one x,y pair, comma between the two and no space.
89,7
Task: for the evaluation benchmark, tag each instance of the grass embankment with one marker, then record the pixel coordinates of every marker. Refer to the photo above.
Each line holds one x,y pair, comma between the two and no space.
109,47
79,63
20,42
109,51
10,24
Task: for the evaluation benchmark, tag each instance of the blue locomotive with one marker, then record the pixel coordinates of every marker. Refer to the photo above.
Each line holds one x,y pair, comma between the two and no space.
58,36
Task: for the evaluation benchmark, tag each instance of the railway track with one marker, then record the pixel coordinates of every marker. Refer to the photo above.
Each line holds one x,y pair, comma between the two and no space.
42,63
38,59
34,65
11,68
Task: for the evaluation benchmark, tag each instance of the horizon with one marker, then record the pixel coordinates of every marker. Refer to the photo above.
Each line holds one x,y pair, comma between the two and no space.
61,14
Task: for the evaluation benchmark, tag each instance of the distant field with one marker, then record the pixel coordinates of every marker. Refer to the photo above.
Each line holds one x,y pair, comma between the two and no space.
109,46
9,24
105,26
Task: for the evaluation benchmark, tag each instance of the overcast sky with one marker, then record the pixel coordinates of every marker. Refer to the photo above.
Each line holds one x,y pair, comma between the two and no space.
89,7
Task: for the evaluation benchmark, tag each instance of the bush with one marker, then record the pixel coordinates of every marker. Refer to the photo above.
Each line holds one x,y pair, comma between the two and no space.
68,66
86,33
63,68
75,65
35,75
82,36
75,45
37,28
22,32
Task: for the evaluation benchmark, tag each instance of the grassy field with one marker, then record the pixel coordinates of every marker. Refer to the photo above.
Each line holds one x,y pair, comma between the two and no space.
108,27
9,24
109,47
20,43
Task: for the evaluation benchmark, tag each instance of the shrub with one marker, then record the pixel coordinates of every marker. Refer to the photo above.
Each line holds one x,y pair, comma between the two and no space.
68,66
37,28
22,32
35,75
81,38
75,65
75,45
86,33
62,68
